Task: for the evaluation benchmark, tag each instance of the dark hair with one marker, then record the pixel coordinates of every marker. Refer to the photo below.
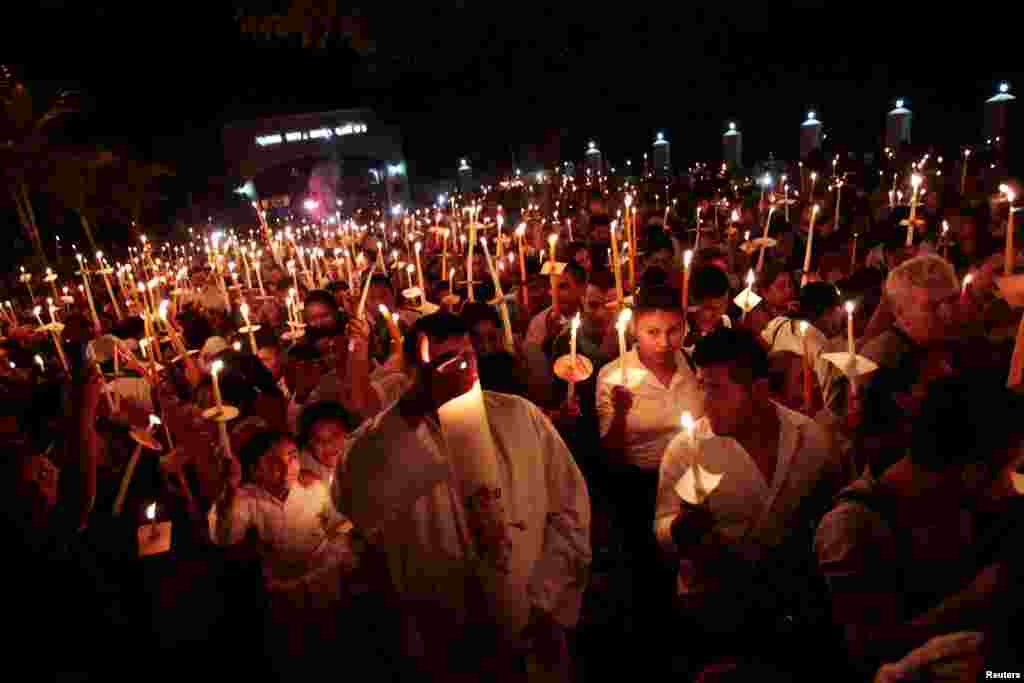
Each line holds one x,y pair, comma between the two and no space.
383,281
738,348
708,254
770,272
658,298
964,420
654,276
321,296
657,241
816,299
256,446
436,327
244,378
578,273
602,279
708,282
474,312
324,411
502,372
266,339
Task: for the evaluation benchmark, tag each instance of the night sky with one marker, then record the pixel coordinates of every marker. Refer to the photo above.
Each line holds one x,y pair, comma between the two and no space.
480,79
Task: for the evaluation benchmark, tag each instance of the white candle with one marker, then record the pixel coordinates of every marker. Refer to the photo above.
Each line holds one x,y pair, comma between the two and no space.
810,244
849,327
572,341
915,182
621,325
1010,256
419,271
36,311
215,370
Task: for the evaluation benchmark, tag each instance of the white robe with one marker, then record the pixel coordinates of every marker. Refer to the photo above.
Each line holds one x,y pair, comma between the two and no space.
400,490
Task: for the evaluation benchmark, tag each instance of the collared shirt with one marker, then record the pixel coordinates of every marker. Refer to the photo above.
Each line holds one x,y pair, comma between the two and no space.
303,540
783,333
750,512
653,420
401,489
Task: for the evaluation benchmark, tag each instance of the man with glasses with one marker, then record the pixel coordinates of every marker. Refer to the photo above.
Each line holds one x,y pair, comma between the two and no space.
480,511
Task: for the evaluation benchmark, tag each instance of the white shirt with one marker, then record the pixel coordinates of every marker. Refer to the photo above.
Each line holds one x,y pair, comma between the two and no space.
783,333
399,487
654,418
753,514
303,541
537,331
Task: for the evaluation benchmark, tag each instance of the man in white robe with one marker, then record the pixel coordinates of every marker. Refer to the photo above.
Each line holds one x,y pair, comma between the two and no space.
481,513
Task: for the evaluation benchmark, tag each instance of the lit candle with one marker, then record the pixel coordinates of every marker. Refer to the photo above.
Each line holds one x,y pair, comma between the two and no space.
616,270
259,271
39,361
620,326
1010,257
521,237
767,225
88,292
572,340
849,327
839,196
963,171
814,179
810,245
49,303
964,290
36,311
396,334
687,259
419,272
244,308
215,370
915,182
151,516
808,380
409,269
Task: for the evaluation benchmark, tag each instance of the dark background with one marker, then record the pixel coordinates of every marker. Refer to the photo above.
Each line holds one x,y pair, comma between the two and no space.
479,79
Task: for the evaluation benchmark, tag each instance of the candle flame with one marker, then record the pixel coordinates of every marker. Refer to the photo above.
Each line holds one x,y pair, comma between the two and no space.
244,308
151,511
687,257
576,322
968,278
39,361
624,317
451,276
154,421
803,328
750,278
849,307
417,247
384,311
409,268
216,367
688,423
915,181
945,227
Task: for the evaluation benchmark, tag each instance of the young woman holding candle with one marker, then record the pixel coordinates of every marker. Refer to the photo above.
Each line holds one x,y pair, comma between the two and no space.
324,429
636,423
305,546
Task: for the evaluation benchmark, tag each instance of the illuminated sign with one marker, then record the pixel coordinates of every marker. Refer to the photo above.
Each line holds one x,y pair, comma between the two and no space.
318,134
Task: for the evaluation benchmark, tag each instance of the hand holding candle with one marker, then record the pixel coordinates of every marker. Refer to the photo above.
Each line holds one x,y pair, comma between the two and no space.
621,326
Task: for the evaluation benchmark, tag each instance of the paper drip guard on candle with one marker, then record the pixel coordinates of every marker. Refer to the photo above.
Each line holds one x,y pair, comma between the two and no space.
747,300
697,483
564,370
250,329
851,364
552,268
56,328
750,246
224,413
1011,289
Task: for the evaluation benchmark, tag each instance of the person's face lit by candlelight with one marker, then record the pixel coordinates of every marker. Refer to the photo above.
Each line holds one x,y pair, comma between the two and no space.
319,316
659,335
582,257
487,337
727,402
709,313
780,293
327,441
598,316
448,367
572,287
278,469
271,358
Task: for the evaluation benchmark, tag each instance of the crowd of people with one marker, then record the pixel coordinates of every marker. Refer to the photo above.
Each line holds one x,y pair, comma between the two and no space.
410,482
